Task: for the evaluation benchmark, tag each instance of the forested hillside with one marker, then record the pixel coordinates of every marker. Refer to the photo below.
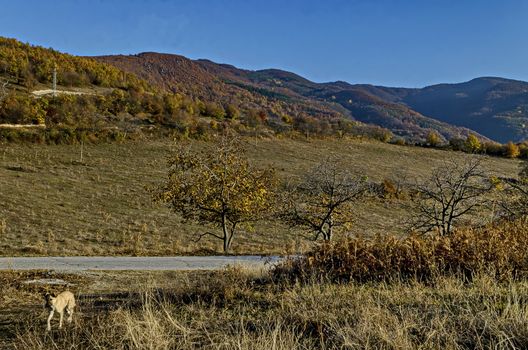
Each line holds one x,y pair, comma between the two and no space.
281,94
97,100
151,93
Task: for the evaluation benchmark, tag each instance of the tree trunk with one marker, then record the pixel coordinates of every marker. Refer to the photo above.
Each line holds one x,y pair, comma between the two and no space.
330,227
226,237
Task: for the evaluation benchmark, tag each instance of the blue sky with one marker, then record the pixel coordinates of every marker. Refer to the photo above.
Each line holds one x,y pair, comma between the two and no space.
387,42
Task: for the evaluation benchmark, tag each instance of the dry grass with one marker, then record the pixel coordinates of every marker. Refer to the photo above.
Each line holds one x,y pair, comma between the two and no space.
498,250
235,309
53,204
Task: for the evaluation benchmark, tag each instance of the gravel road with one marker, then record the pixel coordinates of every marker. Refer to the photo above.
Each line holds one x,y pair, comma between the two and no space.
84,263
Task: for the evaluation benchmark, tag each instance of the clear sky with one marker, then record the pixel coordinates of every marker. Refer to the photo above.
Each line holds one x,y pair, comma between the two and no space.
387,42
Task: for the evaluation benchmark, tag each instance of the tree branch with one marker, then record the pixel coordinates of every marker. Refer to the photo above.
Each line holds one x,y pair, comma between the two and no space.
207,234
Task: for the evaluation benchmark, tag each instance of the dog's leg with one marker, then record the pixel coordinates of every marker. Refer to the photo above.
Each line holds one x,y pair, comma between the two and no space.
70,314
49,320
60,321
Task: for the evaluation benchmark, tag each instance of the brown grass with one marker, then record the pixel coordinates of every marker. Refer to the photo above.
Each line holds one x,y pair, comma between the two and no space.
51,203
235,309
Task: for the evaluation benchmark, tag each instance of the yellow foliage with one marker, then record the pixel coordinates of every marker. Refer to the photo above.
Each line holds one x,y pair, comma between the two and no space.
472,143
433,139
218,186
511,150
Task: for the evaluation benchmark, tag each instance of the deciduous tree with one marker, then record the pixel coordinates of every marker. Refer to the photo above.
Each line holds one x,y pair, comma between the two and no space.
433,138
472,144
452,192
511,150
323,200
218,187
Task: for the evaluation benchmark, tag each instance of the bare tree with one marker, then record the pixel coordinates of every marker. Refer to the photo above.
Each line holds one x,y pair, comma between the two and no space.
323,200
514,202
453,191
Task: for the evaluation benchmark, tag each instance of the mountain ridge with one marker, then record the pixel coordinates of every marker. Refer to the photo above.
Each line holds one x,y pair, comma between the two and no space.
495,107
173,91
207,79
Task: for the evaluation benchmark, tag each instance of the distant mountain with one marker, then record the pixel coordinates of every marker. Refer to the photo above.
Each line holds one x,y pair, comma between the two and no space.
495,107
364,103
176,92
282,92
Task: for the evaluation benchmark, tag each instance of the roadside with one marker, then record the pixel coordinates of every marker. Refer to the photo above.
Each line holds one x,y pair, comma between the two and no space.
97,292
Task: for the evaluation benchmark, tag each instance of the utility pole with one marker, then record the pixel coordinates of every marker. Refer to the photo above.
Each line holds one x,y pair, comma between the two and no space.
55,81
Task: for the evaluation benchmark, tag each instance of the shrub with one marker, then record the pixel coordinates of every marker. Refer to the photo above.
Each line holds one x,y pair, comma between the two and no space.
498,249
492,148
392,189
400,142
511,150
232,112
433,139
523,150
214,110
472,144
456,144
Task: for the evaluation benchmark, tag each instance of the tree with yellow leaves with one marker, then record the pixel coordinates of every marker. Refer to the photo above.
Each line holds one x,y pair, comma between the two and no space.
511,150
218,187
433,139
472,144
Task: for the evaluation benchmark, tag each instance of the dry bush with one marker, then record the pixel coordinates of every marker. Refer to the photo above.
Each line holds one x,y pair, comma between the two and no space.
391,188
498,249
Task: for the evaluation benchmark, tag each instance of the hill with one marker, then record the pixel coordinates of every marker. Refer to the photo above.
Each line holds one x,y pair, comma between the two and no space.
280,93
93,99
178,74
126,95
96,100
495,107
362,104
54,204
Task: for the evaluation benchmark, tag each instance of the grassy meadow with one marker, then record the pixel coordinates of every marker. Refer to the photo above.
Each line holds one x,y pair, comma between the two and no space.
466,291
54,203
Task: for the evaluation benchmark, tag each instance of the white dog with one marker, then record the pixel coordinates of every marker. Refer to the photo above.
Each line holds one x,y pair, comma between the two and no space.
59,303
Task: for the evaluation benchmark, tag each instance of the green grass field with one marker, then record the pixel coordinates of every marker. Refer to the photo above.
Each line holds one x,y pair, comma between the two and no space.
51,203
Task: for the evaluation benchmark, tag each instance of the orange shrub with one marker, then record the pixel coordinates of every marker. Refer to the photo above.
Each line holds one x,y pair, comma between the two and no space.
498,249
